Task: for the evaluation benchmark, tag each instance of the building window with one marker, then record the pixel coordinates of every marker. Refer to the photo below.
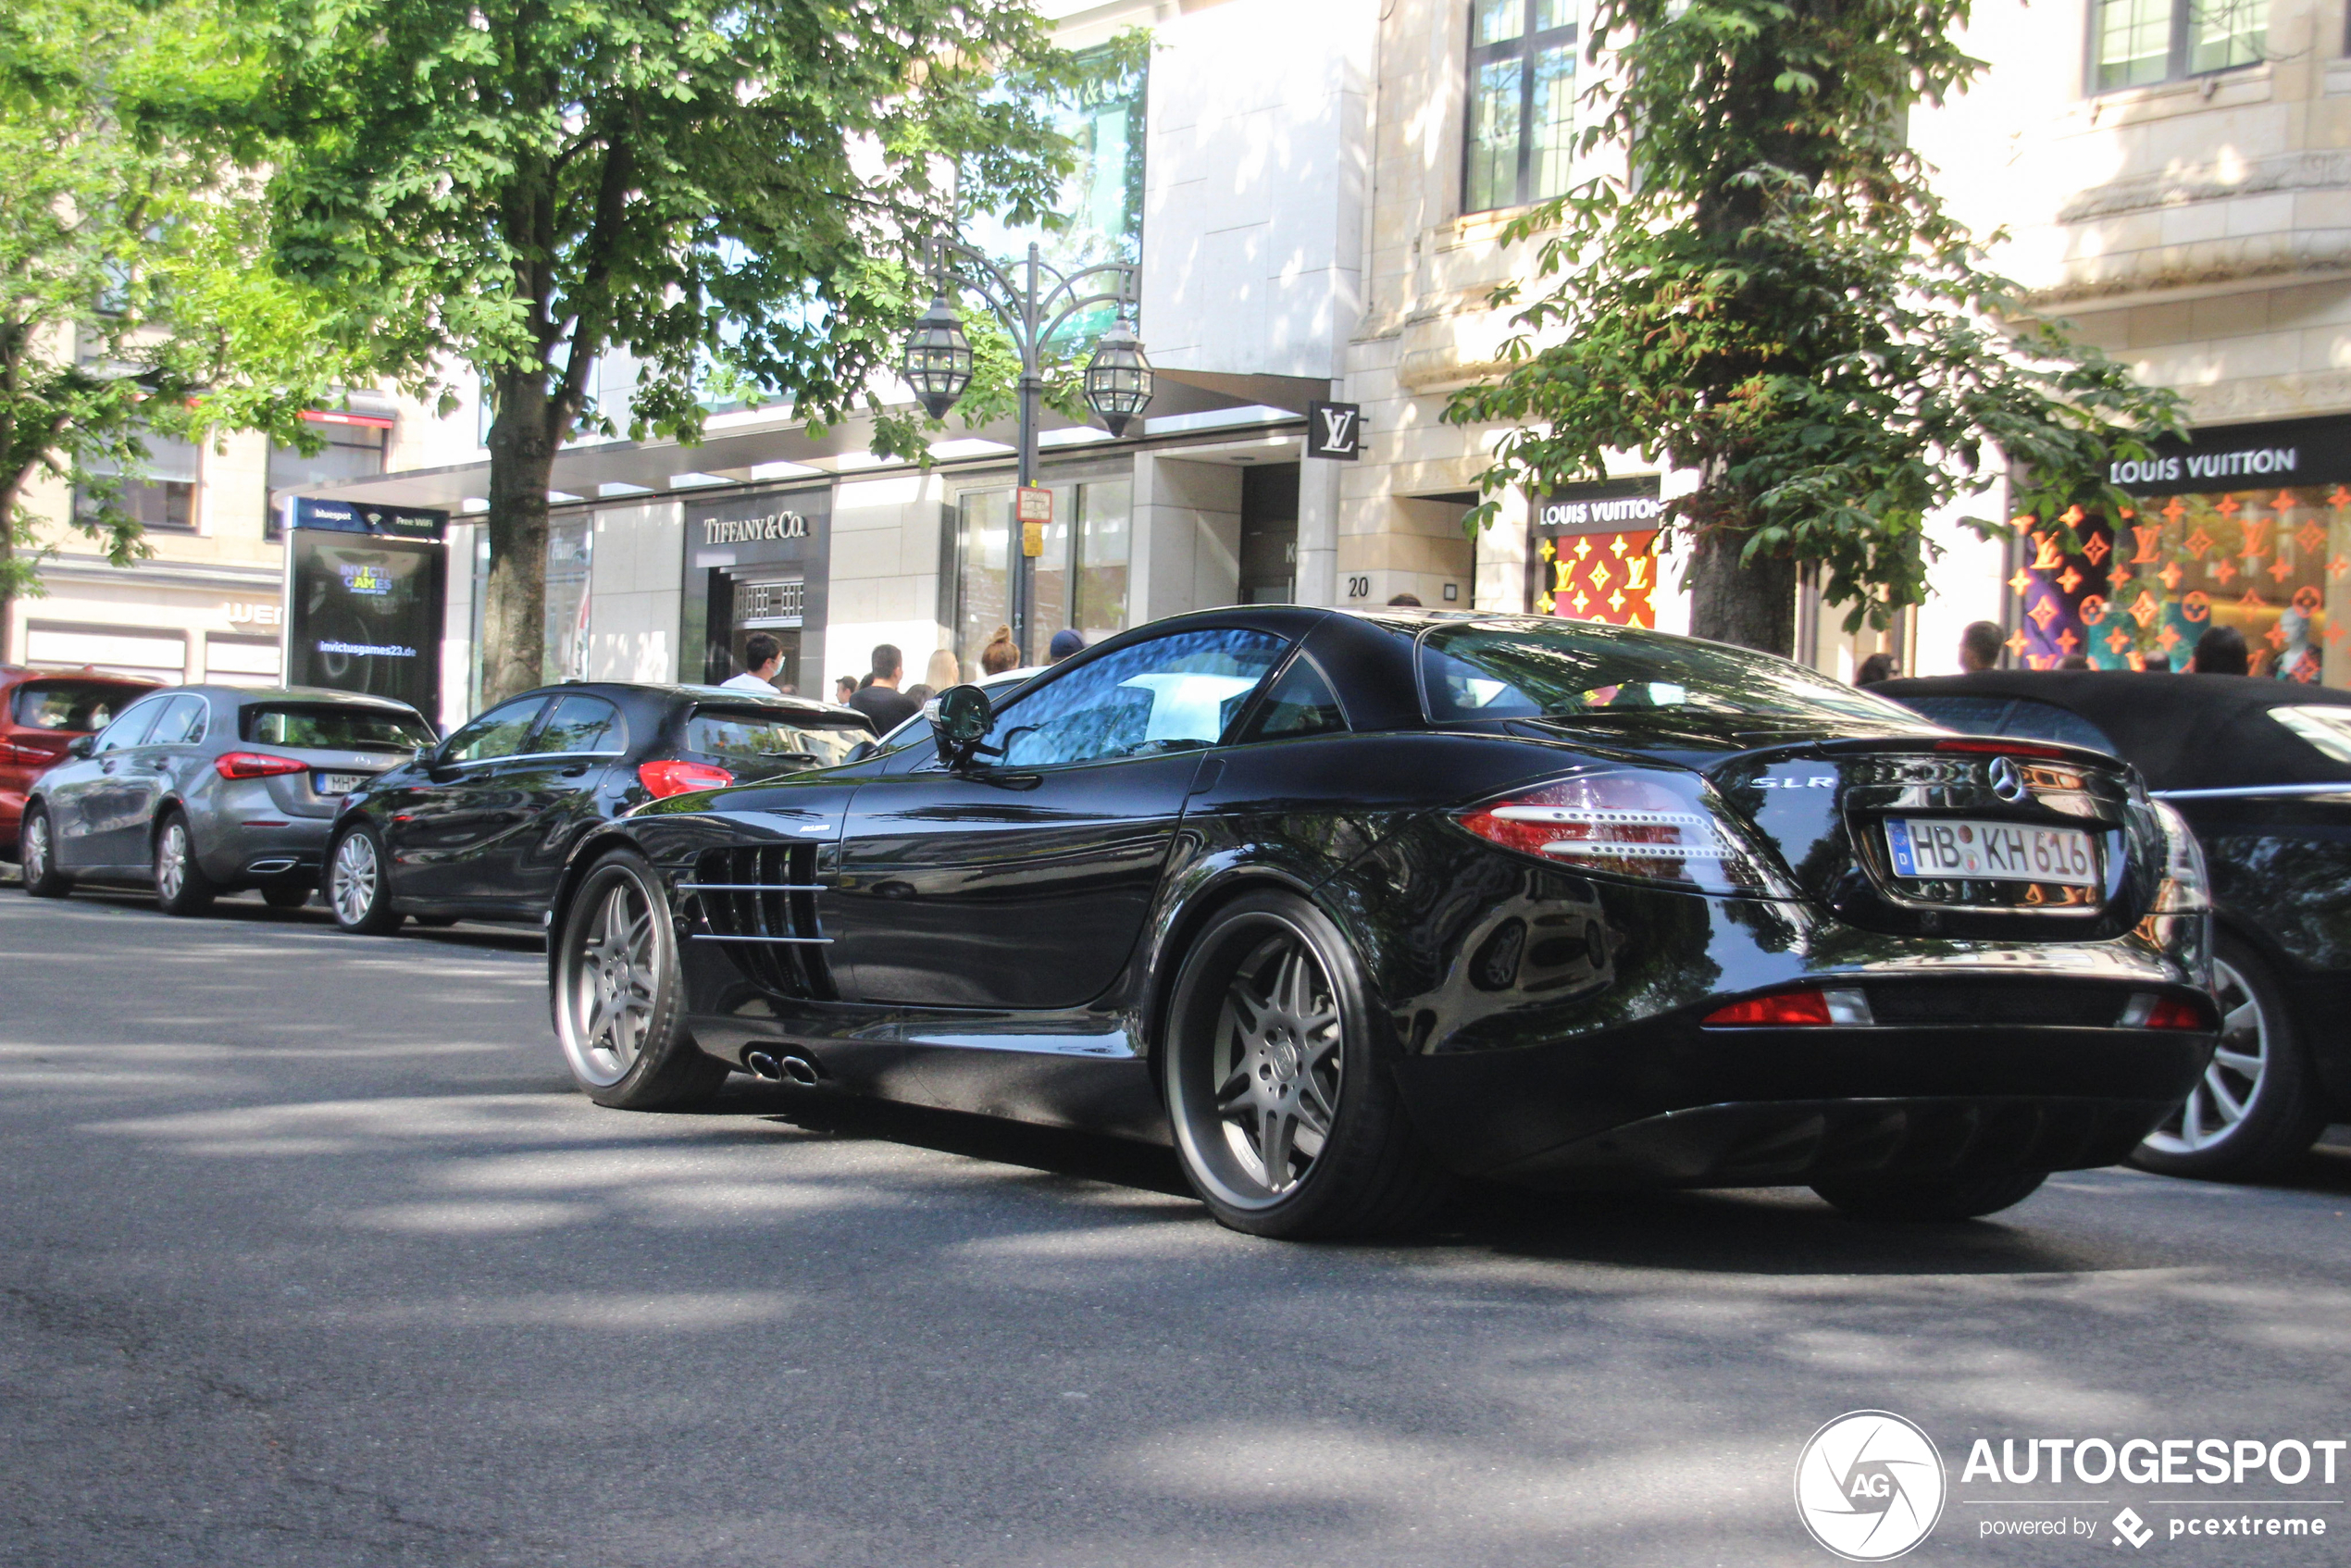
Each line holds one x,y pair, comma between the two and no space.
1521,102
2136,42
1081,577
354,450
163,497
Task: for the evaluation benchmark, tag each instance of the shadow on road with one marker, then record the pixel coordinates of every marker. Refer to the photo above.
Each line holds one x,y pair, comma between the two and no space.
247,910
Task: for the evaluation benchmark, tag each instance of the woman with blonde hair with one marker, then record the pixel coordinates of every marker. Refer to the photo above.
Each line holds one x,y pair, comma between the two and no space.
943,671
1000,654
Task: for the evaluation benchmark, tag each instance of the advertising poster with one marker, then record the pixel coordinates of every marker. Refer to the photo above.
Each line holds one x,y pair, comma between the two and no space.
364,615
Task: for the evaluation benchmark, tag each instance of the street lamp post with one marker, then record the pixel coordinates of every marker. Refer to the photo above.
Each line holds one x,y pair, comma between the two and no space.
938,361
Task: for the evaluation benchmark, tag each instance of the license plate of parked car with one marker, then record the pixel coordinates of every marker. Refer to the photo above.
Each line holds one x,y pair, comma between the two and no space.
2000,852
340,783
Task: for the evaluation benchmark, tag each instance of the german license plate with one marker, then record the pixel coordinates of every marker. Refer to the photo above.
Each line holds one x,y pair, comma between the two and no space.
1997,851
340,783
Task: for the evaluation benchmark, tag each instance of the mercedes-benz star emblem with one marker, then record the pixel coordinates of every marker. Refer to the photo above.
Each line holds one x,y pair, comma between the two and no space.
2008,781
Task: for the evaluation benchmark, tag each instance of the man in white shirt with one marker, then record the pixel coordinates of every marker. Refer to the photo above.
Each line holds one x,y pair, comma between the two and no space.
765,656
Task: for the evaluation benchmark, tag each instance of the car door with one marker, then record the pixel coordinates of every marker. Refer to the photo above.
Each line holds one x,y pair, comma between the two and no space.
555,788
154,769
437,829
89,798
1023,882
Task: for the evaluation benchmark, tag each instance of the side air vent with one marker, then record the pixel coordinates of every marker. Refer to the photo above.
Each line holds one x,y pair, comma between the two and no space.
759,905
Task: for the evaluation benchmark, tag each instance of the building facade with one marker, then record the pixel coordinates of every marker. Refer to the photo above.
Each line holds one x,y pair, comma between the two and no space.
1314,192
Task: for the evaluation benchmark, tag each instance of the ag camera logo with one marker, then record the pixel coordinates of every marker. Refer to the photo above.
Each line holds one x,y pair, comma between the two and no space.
1868,1486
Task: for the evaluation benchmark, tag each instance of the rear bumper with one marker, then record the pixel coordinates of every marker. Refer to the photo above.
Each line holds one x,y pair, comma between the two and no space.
234,853
1671,1101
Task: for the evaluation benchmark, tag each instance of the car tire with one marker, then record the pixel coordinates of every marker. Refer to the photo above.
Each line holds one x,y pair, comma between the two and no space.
2258,1109
358,889
286,897
1280,1081
1930,1199
37,852
619,994
181,888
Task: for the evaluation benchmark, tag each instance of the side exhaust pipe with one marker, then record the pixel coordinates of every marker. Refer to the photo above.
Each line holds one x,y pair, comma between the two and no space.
790,1067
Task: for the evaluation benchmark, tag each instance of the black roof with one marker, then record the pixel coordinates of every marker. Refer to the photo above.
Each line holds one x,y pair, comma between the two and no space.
2182,731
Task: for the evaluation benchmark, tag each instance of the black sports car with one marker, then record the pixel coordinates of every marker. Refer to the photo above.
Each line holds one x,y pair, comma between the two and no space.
1344,904
2261,770
478,826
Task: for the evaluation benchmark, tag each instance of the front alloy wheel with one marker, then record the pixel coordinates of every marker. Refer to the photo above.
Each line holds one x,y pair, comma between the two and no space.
2254,1111
619,1000
355,886
1288,1120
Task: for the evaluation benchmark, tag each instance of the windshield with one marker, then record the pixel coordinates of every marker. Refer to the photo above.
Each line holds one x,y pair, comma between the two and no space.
72,705
1584,670
328,726
757,742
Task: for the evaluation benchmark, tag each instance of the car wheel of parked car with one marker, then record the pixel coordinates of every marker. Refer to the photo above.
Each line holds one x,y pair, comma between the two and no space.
358,892
1929,1199
285,898
1286,1117
37,853
619,1003
2257,1109
181,888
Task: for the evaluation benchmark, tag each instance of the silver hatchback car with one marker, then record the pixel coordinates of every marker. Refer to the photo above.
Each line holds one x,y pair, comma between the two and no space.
206,789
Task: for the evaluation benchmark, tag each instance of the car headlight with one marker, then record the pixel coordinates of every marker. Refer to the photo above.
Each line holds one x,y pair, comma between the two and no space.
1654,826
2185,888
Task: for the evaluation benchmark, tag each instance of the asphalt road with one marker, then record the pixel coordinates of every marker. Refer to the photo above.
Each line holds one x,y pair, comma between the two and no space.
308,1255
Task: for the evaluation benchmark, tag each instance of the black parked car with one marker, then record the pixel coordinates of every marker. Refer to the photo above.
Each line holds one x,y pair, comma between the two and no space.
2261,770
478,827
199,790
1341,904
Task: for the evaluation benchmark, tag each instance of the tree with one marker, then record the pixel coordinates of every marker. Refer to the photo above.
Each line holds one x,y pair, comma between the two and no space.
723,189
135,294
1770,293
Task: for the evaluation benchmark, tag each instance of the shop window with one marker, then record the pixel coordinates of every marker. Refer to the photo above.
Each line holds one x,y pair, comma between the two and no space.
1081,577
571,544
162,495
2143,588
353,450
1521,102
2136,42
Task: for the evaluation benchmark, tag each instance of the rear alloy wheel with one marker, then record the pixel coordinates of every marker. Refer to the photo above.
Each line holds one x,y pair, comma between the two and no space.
181,888
1930,1199
2254,1110
38,851
620,1000
1286,1117
358,893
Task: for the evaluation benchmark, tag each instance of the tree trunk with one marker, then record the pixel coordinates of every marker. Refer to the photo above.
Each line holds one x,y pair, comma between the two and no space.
522,462
1752,604
8,493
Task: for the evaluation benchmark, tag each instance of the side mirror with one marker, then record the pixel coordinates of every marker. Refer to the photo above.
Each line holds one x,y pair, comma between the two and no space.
959,718
81,746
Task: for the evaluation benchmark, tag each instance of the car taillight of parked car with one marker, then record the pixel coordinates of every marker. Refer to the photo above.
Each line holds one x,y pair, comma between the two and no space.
255,765
666,779
1626,824
30,753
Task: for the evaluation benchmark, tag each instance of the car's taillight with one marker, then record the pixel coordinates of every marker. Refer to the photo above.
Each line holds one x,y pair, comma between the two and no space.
1627,824
2004,748
2148,1011
1806,1009
2185,888
28,753
666,779
255,765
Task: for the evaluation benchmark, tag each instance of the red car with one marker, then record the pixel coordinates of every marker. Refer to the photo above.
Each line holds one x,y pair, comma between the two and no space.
41,712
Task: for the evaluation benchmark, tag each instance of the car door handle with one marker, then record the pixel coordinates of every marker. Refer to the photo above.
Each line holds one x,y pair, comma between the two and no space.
574,770
1205,779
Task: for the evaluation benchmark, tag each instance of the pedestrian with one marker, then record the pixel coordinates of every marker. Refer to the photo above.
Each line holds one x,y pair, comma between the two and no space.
880,699
1980,646
762,657
1067,640
1405,602
1876,667
844,689
920,692
943,671
2221,650
1000,654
